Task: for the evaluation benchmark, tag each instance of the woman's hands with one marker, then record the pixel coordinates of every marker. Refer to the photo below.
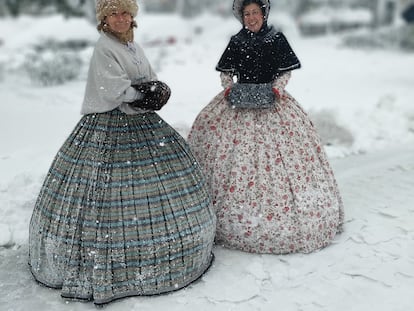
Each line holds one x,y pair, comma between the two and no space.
156,95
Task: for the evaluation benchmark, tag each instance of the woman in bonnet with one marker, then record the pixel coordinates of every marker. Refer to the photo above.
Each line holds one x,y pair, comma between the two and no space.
272,187
123,210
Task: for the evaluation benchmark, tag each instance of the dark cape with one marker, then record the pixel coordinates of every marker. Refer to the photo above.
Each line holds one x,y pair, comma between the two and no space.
258,57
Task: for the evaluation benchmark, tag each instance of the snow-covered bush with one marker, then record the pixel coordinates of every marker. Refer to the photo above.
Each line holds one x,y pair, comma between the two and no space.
53,63
325,20
401,37
52,68
330,131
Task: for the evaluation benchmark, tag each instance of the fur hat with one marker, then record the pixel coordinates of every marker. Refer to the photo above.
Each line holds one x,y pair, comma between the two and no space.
106,7
238,6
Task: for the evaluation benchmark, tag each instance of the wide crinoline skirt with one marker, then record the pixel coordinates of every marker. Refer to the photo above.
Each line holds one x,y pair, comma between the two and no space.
272,186
123,211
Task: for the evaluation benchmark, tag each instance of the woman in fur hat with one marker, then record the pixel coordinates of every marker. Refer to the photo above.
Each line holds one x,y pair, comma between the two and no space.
123,210
272,186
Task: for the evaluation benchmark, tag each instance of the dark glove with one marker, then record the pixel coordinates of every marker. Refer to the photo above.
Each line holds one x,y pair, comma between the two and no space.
156,95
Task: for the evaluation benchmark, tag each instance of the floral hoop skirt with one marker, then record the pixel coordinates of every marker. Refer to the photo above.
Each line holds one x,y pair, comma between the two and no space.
272,186
123,211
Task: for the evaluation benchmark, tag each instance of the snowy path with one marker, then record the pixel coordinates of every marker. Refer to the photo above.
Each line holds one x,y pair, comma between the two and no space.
370,266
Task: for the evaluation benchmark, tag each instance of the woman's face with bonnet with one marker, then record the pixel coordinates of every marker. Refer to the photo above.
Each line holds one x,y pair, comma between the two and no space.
253,18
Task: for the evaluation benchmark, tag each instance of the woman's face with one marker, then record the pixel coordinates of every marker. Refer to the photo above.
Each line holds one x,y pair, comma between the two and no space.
119,22
253,17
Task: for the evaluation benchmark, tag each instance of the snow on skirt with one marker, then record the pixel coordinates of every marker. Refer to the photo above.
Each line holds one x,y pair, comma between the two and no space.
123,211
272,187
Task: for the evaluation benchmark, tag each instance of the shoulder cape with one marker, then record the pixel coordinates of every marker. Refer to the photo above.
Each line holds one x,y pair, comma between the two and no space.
258,57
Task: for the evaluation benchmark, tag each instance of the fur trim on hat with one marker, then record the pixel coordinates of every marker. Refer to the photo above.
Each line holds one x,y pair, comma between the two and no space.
106,7
238,7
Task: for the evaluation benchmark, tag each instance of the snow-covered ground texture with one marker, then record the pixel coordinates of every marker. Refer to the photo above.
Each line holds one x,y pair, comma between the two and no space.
361,100
369,267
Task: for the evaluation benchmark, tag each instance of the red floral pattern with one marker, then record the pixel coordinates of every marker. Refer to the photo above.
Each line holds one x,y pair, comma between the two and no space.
271,183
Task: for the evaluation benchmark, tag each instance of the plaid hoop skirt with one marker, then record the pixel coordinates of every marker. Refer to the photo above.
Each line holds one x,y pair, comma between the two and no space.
272,187
123,211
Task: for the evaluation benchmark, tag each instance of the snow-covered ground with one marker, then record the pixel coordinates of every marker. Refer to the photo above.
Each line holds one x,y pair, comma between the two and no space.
362,101
369,267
